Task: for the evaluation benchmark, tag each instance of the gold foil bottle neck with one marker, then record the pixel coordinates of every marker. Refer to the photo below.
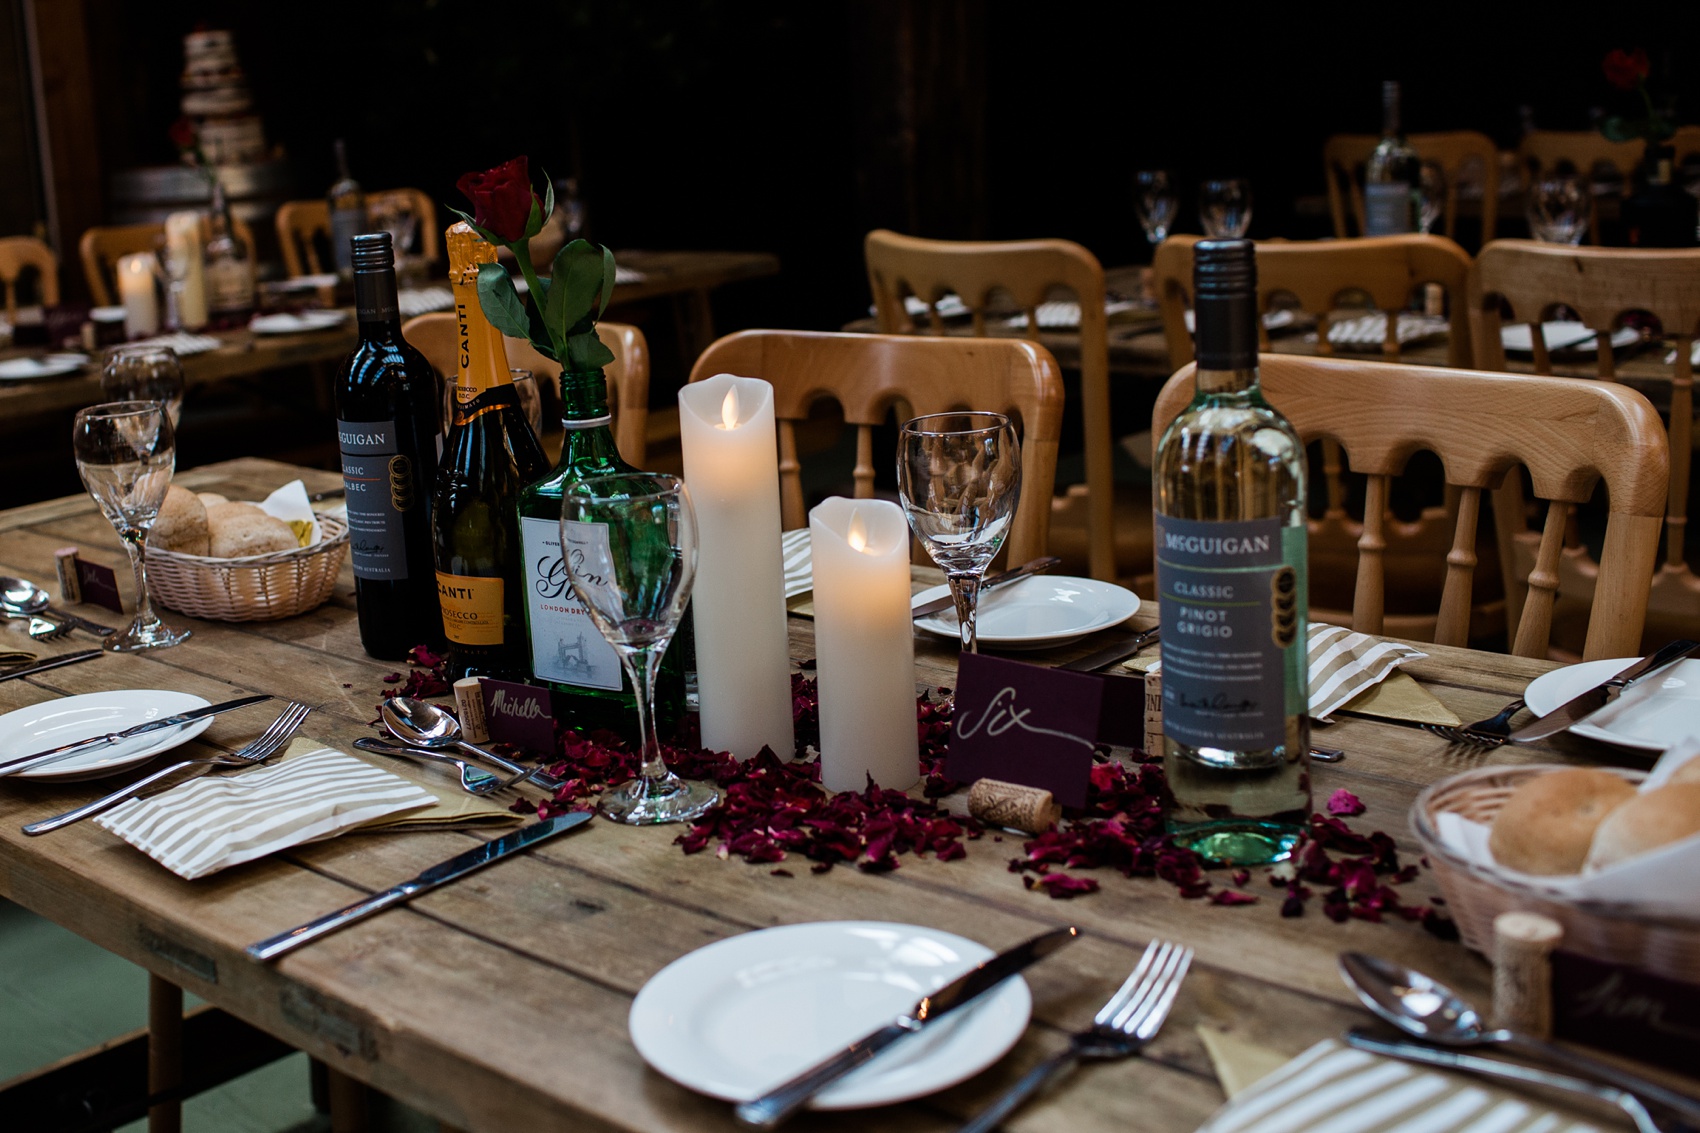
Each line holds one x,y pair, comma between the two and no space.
467,250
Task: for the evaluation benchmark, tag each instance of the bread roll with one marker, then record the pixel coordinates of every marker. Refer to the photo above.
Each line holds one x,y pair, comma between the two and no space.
225,509
208,499
238,530
1649,820
1688,773
182,524
1548,823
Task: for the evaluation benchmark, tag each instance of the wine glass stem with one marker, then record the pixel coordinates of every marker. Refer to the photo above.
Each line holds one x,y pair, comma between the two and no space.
640,667
965,591
135,542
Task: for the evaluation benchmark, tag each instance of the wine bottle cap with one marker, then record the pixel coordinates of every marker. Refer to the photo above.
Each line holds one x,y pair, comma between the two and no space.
372,252
467,250
1224,289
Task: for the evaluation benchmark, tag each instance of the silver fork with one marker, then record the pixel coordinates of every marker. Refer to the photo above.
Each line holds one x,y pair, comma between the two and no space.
1122,1027
262,748
1490,732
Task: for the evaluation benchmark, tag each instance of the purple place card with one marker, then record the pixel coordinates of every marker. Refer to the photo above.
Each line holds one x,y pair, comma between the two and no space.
1626,1011
1025,724
100,585
519,714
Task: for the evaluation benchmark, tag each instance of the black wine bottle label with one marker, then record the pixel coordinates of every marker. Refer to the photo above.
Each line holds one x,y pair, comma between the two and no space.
566,646
380,483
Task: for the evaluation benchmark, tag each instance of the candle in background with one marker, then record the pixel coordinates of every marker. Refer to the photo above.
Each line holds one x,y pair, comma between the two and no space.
136,290
864,645
183,249
731,453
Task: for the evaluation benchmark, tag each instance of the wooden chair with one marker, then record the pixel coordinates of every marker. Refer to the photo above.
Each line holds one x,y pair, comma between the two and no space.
1686,142
1100,534
1568,434
101,248
869,374
1344,155
302,224
1600,284
628,374
19,253
1548,151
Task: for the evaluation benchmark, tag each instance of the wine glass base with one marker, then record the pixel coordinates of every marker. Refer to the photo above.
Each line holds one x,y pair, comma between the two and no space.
139,638
651,802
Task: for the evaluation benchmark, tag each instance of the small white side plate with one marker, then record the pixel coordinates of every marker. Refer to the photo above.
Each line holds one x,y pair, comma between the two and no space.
1651,714
301,323
71,718
1038,611
740,1016
49,366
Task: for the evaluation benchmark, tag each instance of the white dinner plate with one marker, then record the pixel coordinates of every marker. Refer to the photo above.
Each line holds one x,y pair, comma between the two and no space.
49,366
71,718
740,1016
1651,714
1037,611
299,323
1574,337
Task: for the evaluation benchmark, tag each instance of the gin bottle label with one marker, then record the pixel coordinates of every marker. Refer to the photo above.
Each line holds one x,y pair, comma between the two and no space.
379,482
566,646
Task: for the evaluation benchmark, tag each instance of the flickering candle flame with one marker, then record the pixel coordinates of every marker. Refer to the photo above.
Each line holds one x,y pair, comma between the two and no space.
729,409
857,534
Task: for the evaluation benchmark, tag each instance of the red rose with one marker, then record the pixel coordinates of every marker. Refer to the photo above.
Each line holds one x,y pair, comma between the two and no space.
501,199
1626,69
184,135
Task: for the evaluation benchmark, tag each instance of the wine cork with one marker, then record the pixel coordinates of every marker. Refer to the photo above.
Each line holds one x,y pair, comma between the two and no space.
70,584
1522,972
996,803
1154,711
469,706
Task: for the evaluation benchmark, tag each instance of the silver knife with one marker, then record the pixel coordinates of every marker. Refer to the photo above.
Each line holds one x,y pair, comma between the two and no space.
440,874
64,751
782,1101
1573,711
1126,646
52,663
940,605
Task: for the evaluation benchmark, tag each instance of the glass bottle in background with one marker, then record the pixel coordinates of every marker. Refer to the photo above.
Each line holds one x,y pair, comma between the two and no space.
1660,213
491,456
229,267
1231,584
347,204
386,410
1392,174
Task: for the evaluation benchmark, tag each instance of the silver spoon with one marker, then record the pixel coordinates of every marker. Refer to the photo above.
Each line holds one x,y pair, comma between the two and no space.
473,780
425,725
1427,1009
19,597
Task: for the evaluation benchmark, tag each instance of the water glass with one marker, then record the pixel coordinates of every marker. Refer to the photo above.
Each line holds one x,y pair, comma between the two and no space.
1558,208
144,373
631,552
1224,207
959,477
125,454
1431,196
1155,203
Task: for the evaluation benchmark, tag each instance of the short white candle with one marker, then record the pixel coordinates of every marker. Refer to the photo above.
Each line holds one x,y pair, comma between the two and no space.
136,290
864,645
731,454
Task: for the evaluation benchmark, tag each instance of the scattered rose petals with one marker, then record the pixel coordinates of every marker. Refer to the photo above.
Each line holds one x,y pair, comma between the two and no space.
1343,802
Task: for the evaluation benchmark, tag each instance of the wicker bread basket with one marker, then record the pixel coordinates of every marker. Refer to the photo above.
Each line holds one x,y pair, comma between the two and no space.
257,588
1476,894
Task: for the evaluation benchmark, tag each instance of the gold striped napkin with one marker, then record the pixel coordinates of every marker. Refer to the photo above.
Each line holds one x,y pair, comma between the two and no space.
1344,664
208,824
1332,1088
799,564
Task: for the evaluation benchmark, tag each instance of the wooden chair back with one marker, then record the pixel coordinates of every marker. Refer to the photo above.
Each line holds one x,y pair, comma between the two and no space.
1686,143
101,248
870,374
434,335
1454,151
302,224
1027,271
1568,434
19,254
1547,151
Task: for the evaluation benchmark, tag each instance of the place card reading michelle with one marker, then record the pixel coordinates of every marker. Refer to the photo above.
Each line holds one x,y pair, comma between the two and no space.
519,714
1026,724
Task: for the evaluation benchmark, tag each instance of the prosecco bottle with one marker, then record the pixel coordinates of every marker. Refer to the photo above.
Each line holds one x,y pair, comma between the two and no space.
386,421
491,455
1231,585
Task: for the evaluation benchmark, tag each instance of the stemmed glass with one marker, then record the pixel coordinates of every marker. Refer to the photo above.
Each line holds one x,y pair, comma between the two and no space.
631,552
1155,203
144,373
1558,209
1224,207
125,454
959,475
1431,195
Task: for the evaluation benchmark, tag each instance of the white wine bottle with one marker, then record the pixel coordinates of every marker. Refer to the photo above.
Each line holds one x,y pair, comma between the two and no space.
1391,175
1231,585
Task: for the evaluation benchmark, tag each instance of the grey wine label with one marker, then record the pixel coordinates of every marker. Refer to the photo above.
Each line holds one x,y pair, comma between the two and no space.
566,646
1231,603
380,484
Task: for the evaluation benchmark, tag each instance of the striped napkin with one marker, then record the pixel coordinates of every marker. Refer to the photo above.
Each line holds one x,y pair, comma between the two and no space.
1369,331
207,824
799,572
1344,664
423,300
1337,1089
183,343
1061,314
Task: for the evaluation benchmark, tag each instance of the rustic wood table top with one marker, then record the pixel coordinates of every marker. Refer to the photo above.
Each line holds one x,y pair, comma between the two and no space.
500,1002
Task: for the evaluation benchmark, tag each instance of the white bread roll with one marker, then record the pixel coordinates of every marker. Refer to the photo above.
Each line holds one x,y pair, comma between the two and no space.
1688,773
182,524
238,530
1646,822
208,499
1548,823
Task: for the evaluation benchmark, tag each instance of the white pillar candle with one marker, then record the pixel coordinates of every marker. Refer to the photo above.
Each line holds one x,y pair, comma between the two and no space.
864,645
731,453
183,245
136,289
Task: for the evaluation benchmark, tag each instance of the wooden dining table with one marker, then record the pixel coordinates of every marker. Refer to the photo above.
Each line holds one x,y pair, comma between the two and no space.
500,1003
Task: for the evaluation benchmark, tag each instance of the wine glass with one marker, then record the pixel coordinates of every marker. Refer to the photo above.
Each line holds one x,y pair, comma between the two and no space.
1155,203
1431,196
631,551
144,373
959,475
1224,207
1558,209
125,454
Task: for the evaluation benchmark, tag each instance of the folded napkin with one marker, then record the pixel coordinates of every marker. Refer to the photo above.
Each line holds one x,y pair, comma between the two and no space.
799,563
1342,1090
1061,314
423,300
1371,330
183,343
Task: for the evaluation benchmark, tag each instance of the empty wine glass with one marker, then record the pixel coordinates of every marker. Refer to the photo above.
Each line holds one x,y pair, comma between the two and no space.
144,373
631,552
959,476
1155,203
1431,196
1224,207
125,454
1558,208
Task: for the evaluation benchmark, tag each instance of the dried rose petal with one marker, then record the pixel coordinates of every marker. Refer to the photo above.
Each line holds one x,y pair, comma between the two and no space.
1344,802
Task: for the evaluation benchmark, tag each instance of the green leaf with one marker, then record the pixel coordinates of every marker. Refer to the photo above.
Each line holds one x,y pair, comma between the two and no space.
575,281
548,196
534,222
586,352
608,275
501,303
1616,129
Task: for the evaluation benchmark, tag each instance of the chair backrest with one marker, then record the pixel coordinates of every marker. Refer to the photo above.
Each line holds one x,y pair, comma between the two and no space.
1460,154
1547,151
868,374
1568,434
301,224
434,335
1686,143
18,253
1027,270
101,248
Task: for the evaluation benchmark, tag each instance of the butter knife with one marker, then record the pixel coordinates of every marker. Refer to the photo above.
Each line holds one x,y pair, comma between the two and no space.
52,663
1578,708
63,751
940,605
1125,646
782,1101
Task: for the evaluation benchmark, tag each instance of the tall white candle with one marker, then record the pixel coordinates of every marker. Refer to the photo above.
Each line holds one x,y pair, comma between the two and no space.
864,645
730,447
136,289
183,244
